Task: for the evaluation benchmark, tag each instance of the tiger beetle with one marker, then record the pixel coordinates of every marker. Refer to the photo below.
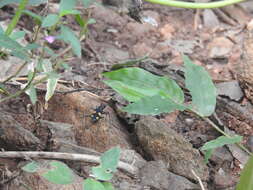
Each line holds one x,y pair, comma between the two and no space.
98,114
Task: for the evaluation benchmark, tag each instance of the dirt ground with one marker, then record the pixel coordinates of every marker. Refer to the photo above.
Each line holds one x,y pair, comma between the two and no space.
215,39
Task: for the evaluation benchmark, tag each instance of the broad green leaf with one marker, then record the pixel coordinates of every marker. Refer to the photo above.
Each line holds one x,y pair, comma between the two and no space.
31,2
59,173
86,3
32,94
110,159
91,184
31,167
69,37
153,105
50,20
67,5
246,178
101,173
221,141
135,83
17,35
108,186
16,49
201,88
32,46
132,93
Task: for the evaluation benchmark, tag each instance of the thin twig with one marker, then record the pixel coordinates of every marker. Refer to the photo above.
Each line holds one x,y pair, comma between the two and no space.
16,73
130,169
199,180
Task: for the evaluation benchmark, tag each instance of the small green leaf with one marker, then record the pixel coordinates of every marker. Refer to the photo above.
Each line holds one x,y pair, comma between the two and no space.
110,159
208,154
246,178
15,47
67,5
108,186
201,87
91,184
101,173
70,12
59,173
31,167
50,20
69,37
32,94
153,105
221,141
51,85
80,20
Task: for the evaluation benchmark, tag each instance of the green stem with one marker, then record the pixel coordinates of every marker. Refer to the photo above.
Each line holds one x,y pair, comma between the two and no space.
16,18
190,5
225,134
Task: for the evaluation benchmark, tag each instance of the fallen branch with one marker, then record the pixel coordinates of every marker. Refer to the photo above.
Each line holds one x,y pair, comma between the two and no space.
130,169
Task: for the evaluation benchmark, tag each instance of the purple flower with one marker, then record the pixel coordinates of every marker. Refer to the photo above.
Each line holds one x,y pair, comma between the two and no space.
50,39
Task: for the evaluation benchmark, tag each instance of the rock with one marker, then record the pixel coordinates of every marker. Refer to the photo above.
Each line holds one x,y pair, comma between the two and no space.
230,89
210,19
132,157
220,47
36,181
223,180
167,31
13,136
155,175
162,143
221,155
249,143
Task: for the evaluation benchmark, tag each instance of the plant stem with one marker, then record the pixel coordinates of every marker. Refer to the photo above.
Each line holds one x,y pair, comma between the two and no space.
16,18
180,4
225,134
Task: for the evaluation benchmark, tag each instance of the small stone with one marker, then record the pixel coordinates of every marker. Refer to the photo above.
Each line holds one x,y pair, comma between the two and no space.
220,47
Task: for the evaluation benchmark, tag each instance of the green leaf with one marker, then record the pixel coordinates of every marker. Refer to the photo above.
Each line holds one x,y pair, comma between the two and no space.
32,94
201,87
246,178
208,154
80,20
108,186
91,184
86,3
153,105
15,47
50,20
135,83
17,35
67,5
52,78
69,37
59,173
110,159
101,173
109,162
70,12
31,167
221,141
